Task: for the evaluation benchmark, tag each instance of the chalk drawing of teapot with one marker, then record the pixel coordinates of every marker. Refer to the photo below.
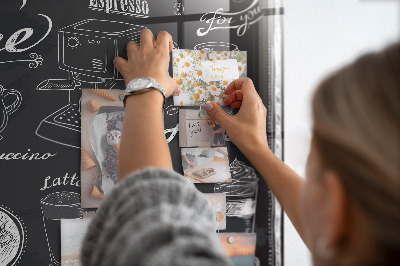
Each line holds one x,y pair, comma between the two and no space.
7,109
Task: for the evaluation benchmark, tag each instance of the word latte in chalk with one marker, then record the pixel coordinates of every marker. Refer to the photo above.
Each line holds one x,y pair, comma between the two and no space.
139,8
72,180
26,156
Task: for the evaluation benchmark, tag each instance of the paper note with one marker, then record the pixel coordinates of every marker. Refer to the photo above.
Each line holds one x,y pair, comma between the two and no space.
218,70
203,74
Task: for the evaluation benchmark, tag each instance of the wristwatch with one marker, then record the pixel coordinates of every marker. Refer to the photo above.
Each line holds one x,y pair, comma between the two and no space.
141,84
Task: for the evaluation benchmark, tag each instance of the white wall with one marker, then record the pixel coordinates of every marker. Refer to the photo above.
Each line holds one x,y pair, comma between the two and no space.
321,35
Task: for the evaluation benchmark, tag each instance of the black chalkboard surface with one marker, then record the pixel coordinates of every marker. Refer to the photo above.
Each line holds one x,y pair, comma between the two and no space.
50,50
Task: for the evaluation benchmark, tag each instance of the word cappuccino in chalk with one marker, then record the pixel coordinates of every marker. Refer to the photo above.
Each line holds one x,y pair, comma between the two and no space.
26,156
73,180
239,20
123,7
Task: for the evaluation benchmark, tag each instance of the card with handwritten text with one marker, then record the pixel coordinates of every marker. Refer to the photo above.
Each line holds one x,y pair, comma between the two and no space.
198,130
204,74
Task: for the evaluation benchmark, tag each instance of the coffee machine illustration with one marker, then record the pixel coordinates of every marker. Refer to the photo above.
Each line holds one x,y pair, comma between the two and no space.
85,51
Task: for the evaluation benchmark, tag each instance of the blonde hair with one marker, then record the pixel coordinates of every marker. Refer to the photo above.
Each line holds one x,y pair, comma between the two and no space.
356,113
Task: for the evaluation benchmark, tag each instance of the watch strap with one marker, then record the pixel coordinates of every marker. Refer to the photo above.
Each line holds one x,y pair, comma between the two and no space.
154,86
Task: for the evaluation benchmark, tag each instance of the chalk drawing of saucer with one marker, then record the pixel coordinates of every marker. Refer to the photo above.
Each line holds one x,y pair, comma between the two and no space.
12,237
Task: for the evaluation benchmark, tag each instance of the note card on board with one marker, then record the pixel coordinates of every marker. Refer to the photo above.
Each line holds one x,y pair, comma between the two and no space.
204,74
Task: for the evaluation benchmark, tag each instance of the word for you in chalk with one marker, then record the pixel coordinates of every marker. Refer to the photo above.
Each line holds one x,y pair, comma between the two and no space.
241,21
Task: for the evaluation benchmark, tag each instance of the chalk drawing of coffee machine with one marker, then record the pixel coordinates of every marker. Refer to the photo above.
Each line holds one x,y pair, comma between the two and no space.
85,51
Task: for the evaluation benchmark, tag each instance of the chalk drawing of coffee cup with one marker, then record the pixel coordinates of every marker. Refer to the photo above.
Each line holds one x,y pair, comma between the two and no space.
7,107
57,206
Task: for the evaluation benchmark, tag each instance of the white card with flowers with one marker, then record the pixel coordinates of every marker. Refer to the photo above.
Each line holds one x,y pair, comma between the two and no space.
204,74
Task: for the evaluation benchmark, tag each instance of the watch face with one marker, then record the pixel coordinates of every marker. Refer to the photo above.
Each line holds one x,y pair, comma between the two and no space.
140,83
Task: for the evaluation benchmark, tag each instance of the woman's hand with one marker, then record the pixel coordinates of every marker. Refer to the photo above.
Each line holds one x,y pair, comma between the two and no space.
247,129
150,59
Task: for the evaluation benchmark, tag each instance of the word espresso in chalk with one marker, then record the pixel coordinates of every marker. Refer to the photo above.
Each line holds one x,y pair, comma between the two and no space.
139,8
73,180
26,156
239,20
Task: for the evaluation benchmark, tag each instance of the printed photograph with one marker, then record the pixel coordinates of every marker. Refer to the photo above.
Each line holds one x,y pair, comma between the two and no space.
102,115
72,234
239,247
206,165
218,201
204,74
197,128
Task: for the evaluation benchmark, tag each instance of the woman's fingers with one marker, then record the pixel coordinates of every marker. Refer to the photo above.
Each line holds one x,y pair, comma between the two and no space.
131,49
177,92
245,85
230,88
239,91
120,64
236,104
233,97
146,40
164,41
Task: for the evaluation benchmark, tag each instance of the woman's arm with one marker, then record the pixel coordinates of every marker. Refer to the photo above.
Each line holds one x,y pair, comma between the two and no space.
285,183
143,141
247,129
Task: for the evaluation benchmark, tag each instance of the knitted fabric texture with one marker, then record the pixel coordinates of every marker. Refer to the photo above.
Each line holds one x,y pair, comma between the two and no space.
154,217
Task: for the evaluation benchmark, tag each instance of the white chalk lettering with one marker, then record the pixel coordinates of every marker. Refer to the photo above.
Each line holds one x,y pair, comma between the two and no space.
23,4
65,180
28,32
138,8
26,156
239,20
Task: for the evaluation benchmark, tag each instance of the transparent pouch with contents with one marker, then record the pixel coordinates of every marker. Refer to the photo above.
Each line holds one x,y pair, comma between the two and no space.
104,135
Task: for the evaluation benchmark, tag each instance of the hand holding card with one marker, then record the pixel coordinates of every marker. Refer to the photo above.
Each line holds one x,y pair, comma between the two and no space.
252,114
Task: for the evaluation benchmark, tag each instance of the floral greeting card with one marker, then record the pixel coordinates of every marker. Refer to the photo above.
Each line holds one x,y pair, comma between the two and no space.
204,74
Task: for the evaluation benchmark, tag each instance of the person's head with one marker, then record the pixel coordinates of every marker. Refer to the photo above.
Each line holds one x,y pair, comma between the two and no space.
351,198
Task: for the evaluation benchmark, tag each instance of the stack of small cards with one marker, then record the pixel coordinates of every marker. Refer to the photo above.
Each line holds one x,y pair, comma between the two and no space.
203,76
